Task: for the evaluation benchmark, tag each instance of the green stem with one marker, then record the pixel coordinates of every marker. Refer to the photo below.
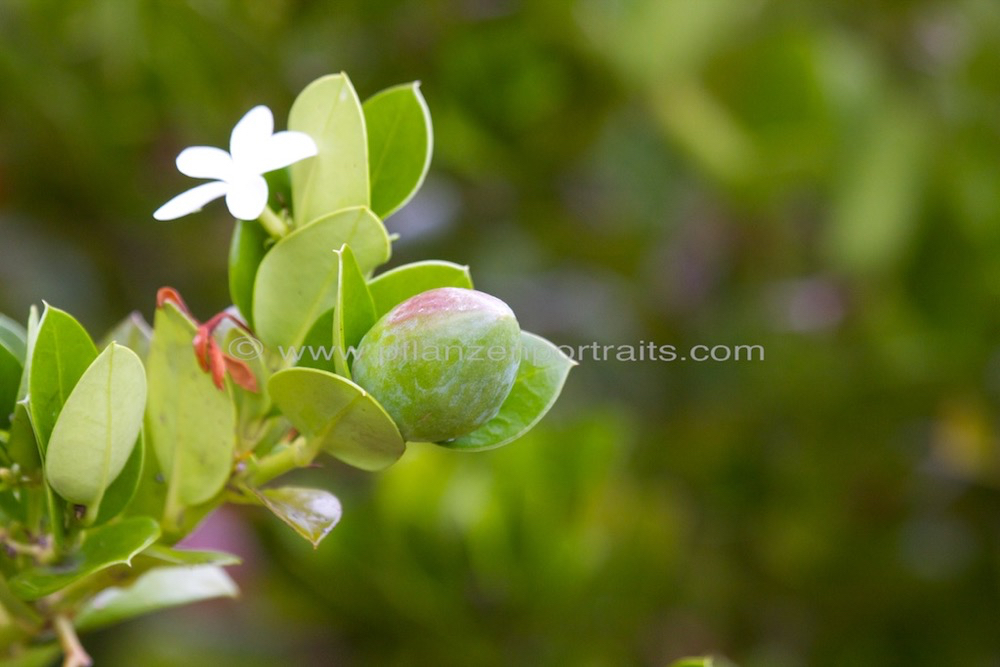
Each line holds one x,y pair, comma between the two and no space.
273,223
296,455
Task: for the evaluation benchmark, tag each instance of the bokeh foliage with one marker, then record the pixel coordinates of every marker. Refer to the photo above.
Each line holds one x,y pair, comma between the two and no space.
819,178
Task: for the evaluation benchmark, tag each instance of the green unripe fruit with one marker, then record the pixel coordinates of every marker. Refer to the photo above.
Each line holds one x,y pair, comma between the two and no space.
441,363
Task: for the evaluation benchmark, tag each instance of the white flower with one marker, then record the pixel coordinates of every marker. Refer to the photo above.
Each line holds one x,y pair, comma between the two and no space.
254,150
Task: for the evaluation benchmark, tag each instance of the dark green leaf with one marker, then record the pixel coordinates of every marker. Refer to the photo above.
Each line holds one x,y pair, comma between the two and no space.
400,143
540,379
122,490
317,350
105,546
21,444
248,248
14,337
151,490
10,380
354,313
61,354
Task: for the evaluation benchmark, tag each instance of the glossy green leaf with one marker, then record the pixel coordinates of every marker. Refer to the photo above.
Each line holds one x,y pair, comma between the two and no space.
122,490
248,247
297,280
328,110
133,332
13,337
61,353
400,143
157,589
98,426
540,379
14,505
111,544
10,381
22,447
397,285
191,423
279,189
317,350
354,313
150,495
190,556
312,513
343,419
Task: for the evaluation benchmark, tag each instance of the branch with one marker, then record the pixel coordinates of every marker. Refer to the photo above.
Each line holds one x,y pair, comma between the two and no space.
75,654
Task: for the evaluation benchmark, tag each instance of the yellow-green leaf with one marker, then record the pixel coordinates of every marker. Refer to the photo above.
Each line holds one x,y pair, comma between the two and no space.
329,111
97,427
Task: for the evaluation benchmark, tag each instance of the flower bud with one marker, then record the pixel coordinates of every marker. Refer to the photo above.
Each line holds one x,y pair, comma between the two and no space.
441,363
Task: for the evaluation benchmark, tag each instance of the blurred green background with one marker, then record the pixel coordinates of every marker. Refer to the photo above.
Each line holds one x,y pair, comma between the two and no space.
822,179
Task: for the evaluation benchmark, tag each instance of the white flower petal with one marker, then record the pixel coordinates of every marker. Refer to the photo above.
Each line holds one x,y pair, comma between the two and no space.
281,150
247,197
192,200
251,134
205,162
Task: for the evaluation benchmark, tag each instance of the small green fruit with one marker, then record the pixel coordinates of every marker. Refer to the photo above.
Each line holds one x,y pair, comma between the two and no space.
441,363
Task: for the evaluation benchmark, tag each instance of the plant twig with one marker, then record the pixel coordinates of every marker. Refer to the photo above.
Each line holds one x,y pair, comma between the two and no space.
273,224
298,454
74,653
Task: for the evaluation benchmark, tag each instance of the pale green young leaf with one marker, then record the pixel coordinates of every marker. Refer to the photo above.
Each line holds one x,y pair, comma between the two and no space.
133,332
297,280
174,556
29,347
395,286
341,417
97,427
328,110
191,423
157,589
